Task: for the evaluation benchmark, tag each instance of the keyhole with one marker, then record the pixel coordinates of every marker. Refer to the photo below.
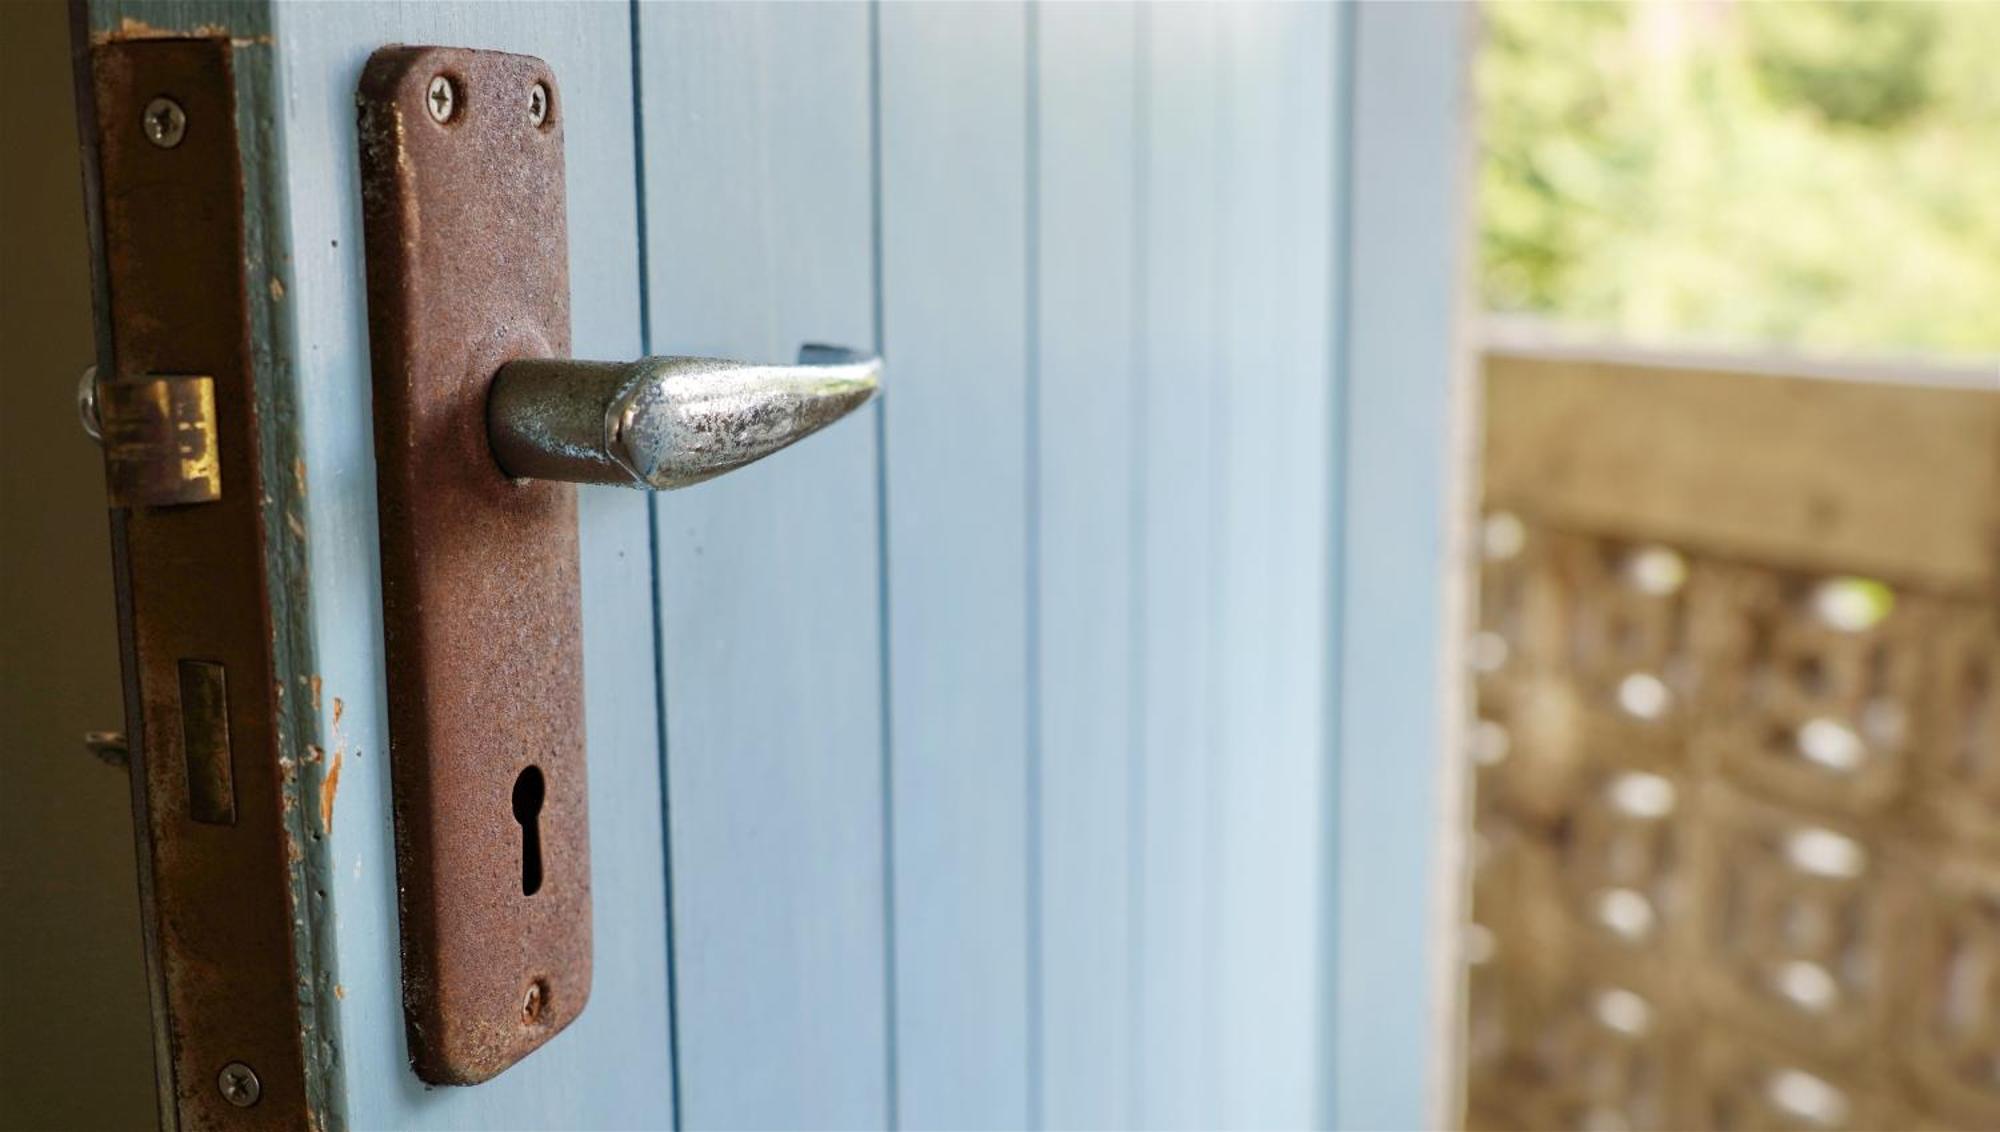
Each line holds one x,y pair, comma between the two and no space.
528,790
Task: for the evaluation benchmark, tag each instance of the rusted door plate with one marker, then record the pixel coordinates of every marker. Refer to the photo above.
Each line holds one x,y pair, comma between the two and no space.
468,268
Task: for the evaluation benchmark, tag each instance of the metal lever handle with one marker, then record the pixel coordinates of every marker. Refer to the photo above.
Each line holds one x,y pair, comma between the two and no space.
663,423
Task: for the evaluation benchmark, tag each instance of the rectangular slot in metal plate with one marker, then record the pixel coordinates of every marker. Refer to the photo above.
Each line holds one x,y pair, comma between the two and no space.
211,777
462,198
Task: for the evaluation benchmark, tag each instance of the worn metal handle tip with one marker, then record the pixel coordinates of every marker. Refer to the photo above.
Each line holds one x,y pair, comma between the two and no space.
663,423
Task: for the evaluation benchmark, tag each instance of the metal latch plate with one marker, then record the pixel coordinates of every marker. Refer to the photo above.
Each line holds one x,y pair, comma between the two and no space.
159,437
462,193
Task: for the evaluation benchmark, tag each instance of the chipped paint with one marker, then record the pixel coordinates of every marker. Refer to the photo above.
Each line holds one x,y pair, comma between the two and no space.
277,289
130,28
328,787
314,684
329,784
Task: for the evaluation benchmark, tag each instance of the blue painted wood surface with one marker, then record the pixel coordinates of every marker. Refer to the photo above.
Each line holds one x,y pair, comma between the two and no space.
1274,464
1087,428
1053,744
1408,163
759,237
1178,500
955,450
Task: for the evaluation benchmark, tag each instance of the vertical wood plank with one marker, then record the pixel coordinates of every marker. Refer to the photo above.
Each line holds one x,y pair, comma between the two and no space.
1407,221
612,1068
1177,196
954,292
1274,472
759,237
1087,294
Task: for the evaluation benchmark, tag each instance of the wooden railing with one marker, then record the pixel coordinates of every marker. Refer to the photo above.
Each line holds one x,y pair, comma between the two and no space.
1736,854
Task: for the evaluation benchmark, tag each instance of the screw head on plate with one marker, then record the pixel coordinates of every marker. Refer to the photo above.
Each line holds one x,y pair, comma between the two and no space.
442,99
165,122
538,104
239,1084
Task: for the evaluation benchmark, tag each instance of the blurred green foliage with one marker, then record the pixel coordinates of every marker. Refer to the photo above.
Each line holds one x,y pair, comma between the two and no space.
1819,176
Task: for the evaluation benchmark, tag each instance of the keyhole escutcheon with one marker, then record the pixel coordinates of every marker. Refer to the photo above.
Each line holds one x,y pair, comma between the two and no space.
528,793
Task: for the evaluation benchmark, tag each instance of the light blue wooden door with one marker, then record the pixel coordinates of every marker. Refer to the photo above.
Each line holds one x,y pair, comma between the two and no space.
1055,744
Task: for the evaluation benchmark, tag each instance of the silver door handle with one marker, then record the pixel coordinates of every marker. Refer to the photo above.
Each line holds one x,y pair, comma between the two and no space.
663,423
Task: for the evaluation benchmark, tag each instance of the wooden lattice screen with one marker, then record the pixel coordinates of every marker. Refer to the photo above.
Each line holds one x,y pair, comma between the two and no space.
1736,858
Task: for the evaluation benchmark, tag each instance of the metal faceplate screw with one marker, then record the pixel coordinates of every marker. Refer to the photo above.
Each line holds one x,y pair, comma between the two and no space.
538,104
165,122
239,1084
442,99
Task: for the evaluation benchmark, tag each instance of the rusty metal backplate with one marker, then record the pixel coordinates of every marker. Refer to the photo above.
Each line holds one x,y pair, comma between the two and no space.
468,269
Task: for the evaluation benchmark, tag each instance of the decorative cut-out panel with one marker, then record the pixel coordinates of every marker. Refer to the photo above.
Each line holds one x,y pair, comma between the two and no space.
1736,851
1953,1022
1796,925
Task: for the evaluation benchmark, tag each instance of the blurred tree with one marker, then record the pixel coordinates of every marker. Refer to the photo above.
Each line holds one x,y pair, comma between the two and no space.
1812,176
1855,62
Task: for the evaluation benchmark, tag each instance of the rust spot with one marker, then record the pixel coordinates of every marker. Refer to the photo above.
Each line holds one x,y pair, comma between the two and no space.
532,1003
339,991
313,753
277,289
133,28
314,684
338,707
328,787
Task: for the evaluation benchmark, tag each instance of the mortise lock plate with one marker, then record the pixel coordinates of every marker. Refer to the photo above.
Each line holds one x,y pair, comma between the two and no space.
482,426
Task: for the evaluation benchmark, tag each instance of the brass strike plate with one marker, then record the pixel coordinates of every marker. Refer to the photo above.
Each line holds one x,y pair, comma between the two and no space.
468,268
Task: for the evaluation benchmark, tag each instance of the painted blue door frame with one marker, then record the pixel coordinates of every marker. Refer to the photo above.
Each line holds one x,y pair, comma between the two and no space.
1057,743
